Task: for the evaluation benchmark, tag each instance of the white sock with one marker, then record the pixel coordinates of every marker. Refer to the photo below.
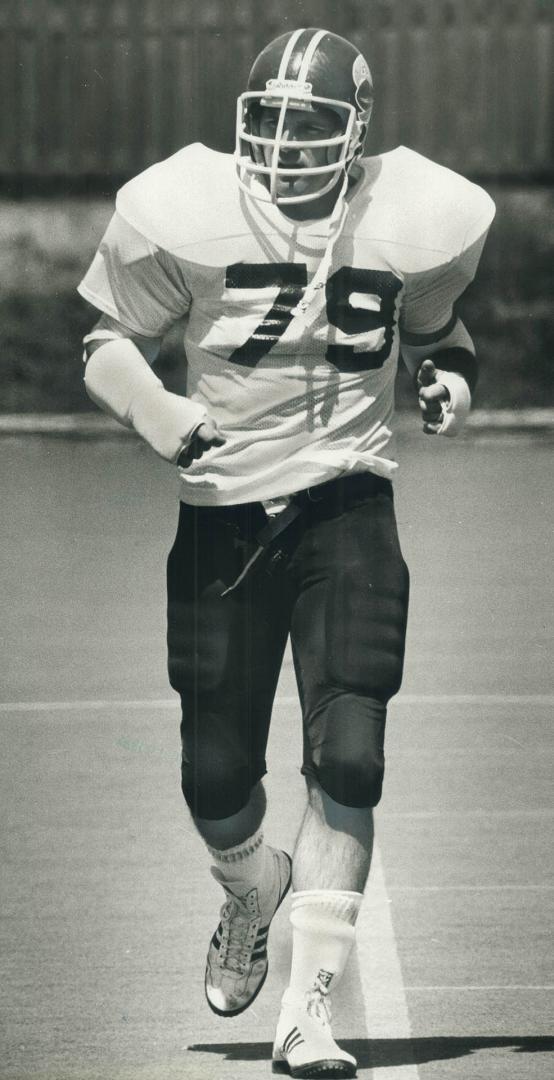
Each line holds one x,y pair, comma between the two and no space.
243,866
323,922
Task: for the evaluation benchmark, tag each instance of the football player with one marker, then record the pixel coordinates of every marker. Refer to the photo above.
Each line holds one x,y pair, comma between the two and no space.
301,268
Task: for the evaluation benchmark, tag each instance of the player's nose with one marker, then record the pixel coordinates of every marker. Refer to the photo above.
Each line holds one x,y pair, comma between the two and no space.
289,152
290,133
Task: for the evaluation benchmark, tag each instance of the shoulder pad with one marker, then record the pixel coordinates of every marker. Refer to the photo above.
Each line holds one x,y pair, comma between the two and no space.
464,209
426,205
187,199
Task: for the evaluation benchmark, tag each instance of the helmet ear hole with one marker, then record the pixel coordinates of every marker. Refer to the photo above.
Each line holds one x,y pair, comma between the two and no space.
364,98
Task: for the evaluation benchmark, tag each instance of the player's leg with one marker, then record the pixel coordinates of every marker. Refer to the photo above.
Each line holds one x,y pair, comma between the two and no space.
225,654
334,844
348,633
348,630
331,863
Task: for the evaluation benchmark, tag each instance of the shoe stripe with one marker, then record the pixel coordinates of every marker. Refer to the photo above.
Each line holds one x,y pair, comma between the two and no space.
295,1042
292,1037
292,1033
261,936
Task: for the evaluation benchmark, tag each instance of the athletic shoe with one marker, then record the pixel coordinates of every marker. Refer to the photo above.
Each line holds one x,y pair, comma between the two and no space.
304,1046
237,958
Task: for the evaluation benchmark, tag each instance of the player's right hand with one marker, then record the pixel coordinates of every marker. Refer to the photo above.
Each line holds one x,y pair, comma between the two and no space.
205,436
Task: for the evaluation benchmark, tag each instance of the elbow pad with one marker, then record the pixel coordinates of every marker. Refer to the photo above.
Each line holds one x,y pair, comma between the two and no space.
119,380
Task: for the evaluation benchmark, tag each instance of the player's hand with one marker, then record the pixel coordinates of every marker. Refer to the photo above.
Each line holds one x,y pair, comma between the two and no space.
432,396
206,436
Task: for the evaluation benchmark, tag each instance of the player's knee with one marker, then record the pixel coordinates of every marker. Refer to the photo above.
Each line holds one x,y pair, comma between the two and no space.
355,782
350,762
217,789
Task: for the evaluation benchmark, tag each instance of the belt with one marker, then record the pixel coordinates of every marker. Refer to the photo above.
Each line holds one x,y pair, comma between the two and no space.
333,495
344,489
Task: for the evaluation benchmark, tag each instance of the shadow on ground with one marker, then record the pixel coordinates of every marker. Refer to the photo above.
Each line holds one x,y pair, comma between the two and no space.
377,1053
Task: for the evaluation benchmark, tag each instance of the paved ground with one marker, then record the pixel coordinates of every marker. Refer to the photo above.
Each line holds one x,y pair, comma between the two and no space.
107,902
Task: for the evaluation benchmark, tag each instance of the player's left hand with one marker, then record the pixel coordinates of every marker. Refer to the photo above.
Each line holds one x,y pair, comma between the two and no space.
432,396
205,436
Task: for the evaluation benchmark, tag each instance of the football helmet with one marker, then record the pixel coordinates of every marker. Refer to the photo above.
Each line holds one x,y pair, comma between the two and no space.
305,69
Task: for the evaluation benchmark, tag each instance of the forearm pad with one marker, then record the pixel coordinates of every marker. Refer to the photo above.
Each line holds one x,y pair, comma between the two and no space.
454,352
119,380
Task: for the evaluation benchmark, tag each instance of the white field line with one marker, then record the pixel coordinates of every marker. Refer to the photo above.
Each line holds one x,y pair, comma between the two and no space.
97,424
173,703
540,813
467,888
384,998
89,706
484,987
454,699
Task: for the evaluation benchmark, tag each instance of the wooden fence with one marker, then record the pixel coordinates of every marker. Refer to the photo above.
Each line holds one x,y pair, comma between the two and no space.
105,87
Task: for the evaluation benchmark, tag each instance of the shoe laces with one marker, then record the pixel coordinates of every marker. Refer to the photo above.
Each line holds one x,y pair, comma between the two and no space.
238,936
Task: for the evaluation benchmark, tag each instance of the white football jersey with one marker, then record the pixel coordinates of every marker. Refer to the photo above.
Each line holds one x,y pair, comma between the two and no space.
300,395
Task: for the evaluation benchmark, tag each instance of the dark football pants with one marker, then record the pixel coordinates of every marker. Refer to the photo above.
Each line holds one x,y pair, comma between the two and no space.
336,581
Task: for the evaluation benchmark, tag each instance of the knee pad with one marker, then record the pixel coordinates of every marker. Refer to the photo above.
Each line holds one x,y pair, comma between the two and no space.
216,790
350,762
356,783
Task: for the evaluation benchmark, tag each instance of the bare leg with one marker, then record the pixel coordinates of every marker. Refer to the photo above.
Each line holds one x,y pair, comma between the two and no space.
229,832
334,845
330,867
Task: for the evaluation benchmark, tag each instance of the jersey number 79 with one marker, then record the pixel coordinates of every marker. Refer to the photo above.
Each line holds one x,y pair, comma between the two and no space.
292,279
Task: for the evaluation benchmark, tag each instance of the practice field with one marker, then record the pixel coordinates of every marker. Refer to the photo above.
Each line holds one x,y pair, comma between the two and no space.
107,902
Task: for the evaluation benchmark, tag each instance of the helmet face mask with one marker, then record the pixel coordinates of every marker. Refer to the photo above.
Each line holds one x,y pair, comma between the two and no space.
319,61
264,158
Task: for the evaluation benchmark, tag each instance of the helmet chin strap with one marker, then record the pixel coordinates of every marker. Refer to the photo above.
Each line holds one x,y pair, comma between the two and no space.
336,225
